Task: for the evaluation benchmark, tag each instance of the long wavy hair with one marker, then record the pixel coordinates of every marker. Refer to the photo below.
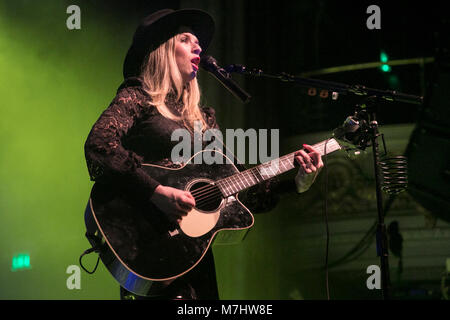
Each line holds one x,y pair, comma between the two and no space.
161,75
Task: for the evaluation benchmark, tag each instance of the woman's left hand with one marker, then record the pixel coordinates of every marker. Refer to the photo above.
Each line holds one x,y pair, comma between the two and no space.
310,165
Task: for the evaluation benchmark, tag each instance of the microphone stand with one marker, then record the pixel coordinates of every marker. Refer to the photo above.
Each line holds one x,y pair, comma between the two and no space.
381,234
335,87
372,96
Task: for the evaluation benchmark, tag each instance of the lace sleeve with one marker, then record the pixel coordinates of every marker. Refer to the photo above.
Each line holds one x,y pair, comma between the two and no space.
107,160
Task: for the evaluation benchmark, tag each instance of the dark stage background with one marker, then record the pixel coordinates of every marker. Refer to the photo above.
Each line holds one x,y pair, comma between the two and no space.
55,83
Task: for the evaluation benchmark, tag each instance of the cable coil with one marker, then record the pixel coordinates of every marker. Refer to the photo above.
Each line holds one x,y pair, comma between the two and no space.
395,174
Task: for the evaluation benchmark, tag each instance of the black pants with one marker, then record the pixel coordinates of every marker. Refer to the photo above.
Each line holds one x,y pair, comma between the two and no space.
199,283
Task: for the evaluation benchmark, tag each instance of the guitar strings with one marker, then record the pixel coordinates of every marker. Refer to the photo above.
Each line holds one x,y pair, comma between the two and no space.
211,195
209,200
203,190
202,195
234,180
210,192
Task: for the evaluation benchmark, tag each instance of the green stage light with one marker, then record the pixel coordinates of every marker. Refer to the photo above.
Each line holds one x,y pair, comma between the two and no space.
385,68
383,57
21,261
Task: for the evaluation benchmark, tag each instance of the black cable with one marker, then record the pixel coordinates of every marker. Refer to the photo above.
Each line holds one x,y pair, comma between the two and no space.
326,219
85,253
367,239
363,244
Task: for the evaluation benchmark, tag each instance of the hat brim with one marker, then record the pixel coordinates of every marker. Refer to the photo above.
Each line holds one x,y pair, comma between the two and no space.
149,37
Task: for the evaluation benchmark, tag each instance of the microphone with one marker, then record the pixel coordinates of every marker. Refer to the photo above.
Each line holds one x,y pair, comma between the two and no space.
354,130
209,64
350,125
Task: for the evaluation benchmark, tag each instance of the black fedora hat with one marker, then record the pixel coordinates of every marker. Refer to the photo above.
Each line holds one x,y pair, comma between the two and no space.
160,26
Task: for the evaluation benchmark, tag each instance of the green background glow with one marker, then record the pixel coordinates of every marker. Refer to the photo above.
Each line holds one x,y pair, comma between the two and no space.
50,98
21,261
54,84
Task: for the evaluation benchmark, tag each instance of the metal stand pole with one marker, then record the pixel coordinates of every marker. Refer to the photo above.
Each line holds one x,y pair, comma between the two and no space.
381,236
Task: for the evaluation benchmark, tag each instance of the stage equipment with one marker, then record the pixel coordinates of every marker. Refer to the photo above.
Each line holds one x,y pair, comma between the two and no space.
428,150
361,129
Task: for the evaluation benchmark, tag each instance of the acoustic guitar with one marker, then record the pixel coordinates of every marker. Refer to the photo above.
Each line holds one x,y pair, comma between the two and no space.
144,251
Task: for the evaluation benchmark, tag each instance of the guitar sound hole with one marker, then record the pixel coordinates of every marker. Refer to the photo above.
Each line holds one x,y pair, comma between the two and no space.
207,196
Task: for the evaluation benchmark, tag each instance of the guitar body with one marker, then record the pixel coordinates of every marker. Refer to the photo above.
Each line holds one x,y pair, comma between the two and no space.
142,249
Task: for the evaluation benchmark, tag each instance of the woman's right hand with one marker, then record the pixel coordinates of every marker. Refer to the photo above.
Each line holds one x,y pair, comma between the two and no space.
173,202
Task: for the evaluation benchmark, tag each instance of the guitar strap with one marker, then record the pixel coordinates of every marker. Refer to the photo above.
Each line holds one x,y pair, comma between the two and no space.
92,236
91,228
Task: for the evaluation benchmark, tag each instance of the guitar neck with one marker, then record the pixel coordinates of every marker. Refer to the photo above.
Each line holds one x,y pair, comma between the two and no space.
248,178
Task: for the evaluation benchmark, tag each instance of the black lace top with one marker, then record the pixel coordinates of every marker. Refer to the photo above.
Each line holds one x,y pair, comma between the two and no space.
131,132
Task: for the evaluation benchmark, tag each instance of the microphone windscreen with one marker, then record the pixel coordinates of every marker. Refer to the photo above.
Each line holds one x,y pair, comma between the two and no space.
208,62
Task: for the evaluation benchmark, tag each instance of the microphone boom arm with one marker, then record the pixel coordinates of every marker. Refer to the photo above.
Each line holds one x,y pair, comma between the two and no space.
341,88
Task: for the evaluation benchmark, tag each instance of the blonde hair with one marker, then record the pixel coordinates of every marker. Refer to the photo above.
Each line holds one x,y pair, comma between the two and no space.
161,75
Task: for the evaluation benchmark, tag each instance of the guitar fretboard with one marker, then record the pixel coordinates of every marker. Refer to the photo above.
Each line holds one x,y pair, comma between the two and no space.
248,178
